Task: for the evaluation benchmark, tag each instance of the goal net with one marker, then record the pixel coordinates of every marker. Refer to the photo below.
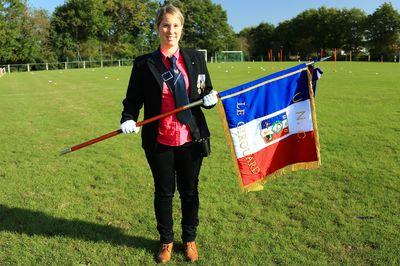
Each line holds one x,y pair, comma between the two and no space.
229,56
204,51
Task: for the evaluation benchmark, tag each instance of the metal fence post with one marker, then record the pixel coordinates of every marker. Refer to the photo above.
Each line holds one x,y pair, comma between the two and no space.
58,65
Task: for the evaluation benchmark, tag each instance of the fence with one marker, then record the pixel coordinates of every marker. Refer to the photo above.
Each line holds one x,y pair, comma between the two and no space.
128,62
66,65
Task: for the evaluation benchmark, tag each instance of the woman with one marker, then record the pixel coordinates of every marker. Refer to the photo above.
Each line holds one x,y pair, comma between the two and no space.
174,146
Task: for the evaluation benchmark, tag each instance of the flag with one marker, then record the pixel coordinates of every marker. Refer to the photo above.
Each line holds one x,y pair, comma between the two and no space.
271,125
316,74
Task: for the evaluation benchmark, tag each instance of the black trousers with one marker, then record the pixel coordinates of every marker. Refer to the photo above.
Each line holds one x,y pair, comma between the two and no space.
171,167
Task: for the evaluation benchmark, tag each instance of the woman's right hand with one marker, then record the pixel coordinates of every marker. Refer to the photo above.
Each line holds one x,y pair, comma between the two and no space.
129,126
210,99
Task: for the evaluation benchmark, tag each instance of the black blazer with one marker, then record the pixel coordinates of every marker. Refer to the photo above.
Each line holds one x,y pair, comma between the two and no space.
145,89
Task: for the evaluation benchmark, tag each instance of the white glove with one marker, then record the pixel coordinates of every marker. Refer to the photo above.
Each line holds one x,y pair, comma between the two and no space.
129,126
210,99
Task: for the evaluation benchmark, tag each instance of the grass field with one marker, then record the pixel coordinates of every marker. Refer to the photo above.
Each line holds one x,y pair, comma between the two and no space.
95,206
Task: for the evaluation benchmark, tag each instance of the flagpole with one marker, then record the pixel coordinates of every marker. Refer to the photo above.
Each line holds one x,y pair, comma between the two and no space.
138,124
147,121
320,60
334,60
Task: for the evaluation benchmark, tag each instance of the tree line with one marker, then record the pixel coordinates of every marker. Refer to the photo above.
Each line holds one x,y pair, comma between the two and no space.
349,30
103,29
107,29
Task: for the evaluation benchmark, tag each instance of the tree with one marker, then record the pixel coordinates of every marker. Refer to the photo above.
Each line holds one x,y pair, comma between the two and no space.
283,37
131,30
243,45
206,26
383,30
315,29
76,22
12,13
259,38
102,28
352,28
35,42
310,31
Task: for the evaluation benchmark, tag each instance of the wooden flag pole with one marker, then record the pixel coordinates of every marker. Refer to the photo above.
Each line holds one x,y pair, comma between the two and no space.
139,124
334,60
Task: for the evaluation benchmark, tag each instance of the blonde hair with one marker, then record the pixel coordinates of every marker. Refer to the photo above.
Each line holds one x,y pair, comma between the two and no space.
170,9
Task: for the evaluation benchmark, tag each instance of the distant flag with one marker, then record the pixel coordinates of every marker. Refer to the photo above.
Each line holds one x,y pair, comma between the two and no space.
316,74
272,125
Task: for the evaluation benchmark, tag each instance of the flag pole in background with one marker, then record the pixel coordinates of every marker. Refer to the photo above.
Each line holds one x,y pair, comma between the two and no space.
334,60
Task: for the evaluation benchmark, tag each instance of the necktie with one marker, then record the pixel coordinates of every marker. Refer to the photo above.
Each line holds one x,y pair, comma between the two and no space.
181,97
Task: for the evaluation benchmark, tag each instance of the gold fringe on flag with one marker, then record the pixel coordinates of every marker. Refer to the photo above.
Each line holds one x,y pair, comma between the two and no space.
314,115
228,136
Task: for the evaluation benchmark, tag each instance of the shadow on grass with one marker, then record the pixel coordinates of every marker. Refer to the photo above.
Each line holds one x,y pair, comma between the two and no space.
31,223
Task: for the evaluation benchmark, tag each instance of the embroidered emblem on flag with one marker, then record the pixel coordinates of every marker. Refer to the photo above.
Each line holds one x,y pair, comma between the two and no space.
274,127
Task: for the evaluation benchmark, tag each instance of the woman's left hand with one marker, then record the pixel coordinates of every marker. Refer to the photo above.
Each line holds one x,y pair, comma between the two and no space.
210,99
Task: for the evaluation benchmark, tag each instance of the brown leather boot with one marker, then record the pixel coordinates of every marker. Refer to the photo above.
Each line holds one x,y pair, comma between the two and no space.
165,252
190,250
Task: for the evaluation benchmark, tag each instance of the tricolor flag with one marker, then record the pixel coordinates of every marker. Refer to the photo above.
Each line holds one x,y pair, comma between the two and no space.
272,125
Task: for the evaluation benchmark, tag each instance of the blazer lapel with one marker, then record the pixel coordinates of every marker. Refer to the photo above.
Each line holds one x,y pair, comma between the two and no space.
190,66
153,63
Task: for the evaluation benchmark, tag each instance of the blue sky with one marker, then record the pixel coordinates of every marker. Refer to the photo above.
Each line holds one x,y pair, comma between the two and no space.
245,13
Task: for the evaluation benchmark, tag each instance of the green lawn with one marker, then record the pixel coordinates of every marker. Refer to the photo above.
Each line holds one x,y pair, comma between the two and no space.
95,206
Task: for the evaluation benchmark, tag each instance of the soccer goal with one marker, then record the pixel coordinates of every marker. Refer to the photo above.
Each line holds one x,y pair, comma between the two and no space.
229,56
204,51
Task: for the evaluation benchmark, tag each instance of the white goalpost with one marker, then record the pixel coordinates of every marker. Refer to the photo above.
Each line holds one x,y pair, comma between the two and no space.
204,51
229,56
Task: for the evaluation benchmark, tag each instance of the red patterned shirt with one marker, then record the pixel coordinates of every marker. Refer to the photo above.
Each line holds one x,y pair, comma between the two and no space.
171,131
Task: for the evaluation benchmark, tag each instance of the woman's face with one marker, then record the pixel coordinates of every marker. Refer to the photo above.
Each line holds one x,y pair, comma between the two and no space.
170,31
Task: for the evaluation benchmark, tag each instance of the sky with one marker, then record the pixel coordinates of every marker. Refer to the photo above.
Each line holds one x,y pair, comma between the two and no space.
246,13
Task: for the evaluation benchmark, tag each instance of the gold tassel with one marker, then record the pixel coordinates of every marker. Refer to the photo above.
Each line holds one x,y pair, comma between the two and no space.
313,115
228,136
